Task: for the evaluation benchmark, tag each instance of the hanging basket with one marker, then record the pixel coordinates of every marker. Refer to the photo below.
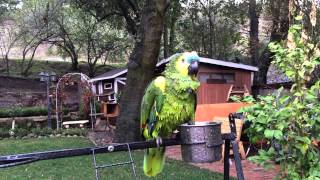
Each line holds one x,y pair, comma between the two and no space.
201,142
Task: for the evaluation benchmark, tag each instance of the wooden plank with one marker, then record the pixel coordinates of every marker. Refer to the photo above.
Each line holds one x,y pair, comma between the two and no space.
75,122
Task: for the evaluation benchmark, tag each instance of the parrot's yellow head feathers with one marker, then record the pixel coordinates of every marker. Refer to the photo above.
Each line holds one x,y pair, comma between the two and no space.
185,64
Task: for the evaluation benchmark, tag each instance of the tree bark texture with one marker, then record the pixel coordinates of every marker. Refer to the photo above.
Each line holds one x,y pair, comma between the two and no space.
141,67
165,41
279,31
172,37
254,32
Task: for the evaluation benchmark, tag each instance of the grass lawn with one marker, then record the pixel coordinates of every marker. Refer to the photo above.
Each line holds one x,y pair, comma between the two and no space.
78,168
58,67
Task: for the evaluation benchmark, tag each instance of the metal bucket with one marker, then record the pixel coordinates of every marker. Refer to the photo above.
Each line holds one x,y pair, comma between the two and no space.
201,142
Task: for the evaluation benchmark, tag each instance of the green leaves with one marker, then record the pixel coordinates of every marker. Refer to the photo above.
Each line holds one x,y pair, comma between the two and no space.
290,119
270,134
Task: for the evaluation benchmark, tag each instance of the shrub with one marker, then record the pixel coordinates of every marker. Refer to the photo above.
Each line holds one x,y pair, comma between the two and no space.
75,131
42,131
20,132
290,120
4,133
22,111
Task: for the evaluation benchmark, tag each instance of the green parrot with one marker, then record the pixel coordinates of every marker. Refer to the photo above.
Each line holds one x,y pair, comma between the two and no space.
169,101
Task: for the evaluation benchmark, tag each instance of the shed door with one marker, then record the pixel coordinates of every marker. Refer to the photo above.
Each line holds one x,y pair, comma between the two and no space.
214,87
119,84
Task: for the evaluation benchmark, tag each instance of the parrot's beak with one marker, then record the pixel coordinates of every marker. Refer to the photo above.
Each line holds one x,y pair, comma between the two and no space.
193,68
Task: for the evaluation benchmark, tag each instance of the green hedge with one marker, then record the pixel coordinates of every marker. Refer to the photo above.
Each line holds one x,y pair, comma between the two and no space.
21,132
22,112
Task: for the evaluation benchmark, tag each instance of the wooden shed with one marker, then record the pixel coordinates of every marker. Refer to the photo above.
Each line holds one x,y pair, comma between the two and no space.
219,79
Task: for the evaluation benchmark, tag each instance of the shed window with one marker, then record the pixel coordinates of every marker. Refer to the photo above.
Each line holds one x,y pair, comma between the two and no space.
217,78
111,97
107,85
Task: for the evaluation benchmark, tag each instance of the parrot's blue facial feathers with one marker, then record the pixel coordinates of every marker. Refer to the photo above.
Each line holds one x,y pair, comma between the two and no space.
191,57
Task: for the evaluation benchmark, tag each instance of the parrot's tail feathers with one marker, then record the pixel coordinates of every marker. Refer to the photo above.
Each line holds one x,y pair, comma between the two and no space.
153,161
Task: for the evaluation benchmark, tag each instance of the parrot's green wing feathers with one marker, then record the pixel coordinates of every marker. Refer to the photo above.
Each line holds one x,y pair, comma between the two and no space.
152,102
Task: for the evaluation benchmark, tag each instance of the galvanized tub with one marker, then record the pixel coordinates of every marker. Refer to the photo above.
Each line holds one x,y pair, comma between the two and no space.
201,142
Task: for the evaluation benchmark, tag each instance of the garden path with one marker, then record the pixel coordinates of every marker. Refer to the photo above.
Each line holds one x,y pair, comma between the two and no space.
251,171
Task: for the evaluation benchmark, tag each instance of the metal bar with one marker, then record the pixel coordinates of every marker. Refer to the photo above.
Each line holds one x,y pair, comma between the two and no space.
237,160
49,102
95,165
132,163
18,159
226,165
114,164
10,160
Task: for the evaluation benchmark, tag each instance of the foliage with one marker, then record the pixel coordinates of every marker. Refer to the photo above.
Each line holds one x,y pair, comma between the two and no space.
9,35
4,132
22,111
20,132
6,6
290,120
35,132
34,20
84,87
60,68
42,131
96,37
82,168
75,131
212,28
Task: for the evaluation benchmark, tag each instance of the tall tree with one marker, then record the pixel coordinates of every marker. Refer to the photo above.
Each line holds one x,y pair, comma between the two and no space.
211,27
9,35
169,33
141,69
279,31
35,22
254,32
144,20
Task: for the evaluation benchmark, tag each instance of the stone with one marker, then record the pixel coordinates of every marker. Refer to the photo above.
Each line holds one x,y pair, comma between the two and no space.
75,135
51,135
31,135
58,135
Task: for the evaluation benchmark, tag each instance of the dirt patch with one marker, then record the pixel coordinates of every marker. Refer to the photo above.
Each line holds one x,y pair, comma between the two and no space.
101,138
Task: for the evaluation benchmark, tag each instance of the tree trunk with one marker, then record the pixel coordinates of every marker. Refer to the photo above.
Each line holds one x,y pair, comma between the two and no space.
254,32
165,41
74,60
210,35
74,57
280,27
140,69
6,58
30,61
172,35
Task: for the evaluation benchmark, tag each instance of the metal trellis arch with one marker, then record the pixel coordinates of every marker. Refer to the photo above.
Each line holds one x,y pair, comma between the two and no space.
83,78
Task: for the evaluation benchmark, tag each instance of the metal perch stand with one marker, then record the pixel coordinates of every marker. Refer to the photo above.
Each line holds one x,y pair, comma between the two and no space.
19,159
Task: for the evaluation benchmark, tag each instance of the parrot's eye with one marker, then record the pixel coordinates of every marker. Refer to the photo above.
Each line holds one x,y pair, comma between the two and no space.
182,60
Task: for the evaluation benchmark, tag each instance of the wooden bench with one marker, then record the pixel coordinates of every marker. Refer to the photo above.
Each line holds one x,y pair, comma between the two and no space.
81,123
225,128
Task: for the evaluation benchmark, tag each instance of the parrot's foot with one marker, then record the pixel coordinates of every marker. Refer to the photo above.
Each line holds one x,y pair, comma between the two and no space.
158,141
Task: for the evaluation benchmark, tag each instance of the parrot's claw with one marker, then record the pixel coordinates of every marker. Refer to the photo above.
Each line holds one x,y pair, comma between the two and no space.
158,141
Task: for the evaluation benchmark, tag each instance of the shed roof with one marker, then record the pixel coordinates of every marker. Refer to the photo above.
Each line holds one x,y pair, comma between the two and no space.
120,71
110,74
